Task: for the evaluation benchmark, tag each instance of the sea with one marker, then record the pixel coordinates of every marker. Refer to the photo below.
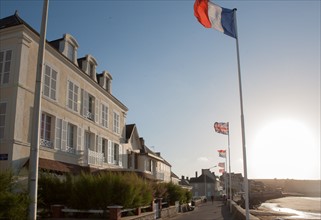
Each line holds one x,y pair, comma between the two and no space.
297,207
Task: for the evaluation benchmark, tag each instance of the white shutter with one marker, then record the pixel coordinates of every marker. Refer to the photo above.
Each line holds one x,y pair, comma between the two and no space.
109,151
120,156
96,110
85,101
58,134
113,153
64,136
79,139
100,140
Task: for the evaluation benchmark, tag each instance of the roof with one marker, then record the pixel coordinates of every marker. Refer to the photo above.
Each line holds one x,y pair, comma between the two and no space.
129,130
201,179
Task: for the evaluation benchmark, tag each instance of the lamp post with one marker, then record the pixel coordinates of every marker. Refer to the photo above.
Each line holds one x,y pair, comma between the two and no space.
205,182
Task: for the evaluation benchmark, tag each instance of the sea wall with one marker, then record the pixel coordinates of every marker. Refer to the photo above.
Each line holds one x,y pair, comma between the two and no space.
239,213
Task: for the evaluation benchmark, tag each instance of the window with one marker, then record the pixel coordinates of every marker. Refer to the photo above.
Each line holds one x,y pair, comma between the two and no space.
45,131
71,138
70,51
88,105
3,111
5,66
72,96
91,69
104,148
89,140
116,123
50,83
104,115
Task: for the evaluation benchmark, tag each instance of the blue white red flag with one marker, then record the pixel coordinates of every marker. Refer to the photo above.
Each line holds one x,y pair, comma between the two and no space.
221,127
211,15
222,153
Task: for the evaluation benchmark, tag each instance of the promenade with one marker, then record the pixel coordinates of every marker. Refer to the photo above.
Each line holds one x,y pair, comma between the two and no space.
206,211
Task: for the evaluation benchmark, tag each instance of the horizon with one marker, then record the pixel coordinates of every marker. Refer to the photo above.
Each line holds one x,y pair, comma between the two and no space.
178,78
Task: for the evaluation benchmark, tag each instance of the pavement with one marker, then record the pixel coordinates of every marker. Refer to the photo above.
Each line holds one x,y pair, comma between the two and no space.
207,211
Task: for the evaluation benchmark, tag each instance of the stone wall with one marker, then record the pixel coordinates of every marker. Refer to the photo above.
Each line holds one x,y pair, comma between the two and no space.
239,213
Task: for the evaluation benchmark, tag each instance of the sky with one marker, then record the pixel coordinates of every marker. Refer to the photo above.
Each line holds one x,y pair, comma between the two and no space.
178,78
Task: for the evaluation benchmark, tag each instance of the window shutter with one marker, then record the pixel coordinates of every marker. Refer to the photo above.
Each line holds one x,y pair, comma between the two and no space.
113,153
109,151
85,100
64,136
96,110
99,144
120,155
58,133
79,139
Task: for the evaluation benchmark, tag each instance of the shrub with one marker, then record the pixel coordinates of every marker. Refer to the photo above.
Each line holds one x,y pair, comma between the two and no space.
14,200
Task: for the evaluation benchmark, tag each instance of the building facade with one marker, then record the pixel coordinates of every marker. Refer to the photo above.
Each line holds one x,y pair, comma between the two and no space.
83,126
205,185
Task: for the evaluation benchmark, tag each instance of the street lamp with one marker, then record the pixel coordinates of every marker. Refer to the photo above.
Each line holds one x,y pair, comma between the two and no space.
205,184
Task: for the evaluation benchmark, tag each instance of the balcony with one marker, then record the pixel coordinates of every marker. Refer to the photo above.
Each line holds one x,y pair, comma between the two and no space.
95,158
46,143
89,115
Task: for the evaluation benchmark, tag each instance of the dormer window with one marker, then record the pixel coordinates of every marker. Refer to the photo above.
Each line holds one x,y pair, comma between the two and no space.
70,51
105,80
88,64
70,47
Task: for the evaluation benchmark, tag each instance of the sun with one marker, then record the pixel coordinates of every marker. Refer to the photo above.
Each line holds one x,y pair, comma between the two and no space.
284,148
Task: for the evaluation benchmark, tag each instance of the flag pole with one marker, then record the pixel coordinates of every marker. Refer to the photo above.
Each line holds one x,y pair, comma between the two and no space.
229,164
34,148
246,187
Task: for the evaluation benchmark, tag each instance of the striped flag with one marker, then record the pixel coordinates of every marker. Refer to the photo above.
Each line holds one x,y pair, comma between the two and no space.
221,127
221,170
211,15
222,153
221,165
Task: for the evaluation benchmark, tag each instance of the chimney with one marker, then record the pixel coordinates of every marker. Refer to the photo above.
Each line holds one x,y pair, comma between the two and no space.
187,178
142,141
196,174
183,177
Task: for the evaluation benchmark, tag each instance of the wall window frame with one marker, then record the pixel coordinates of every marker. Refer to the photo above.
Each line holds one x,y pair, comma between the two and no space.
50,82
72,95
116,122
5,65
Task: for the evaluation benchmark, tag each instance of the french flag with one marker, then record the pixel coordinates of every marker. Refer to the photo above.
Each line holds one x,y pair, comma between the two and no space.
211,15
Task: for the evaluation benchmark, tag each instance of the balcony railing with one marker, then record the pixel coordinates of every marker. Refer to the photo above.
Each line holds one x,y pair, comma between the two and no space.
89,115
95,158
70,150
46,143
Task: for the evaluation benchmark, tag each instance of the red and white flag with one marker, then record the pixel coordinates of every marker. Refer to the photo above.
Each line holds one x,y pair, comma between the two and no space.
221,165
221,127
221,170
222,153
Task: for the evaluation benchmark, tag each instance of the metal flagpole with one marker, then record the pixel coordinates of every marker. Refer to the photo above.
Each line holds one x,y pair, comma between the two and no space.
34,148
229,164
246,187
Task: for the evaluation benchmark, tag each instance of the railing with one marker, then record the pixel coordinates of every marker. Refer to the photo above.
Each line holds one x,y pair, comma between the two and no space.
95,158
89,115
70,150
46,143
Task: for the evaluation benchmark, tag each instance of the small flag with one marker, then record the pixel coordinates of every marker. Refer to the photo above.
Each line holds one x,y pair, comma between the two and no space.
221,127
211,15
221,170
221,165
222,153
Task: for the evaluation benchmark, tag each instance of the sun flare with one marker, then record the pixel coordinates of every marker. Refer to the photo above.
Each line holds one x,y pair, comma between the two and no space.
284,148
